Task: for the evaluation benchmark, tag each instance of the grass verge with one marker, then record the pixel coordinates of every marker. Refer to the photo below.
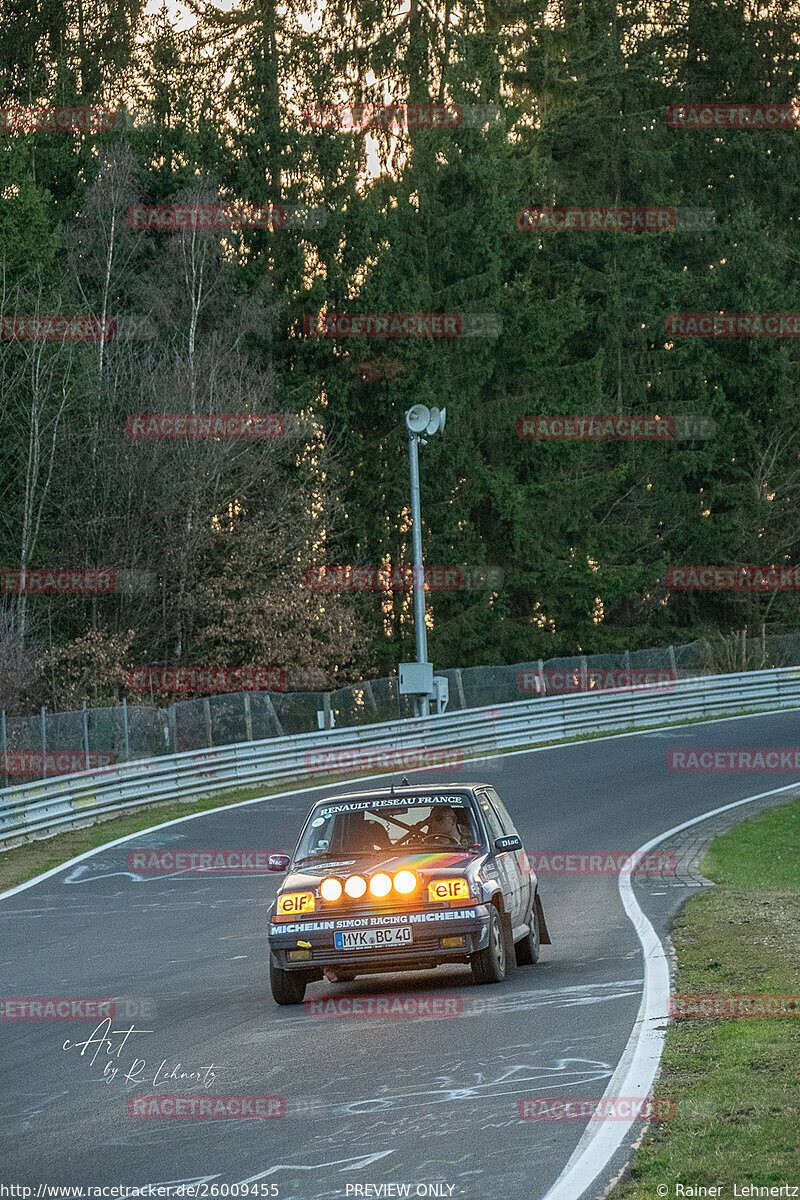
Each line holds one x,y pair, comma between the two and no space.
735,1081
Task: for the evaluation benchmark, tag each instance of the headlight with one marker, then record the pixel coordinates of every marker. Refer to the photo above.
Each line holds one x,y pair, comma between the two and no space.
355,886
290,904
448,889
330,889
405,882
380,884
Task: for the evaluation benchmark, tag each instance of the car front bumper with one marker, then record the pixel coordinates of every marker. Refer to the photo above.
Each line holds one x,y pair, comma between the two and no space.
429,928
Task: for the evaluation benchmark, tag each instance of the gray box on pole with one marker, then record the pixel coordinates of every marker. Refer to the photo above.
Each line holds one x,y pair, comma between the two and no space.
416,679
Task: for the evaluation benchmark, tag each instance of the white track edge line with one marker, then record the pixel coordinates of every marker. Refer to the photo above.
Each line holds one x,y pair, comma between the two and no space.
639,1062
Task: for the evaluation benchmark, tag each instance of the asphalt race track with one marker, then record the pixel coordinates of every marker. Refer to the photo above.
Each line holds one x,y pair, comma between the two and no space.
368,1101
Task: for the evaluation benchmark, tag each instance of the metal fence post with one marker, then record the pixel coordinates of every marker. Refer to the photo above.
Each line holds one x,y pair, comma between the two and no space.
125,728
368,694
163,717
86,734
207,715
672,666
271,710
4,747
248,718
44,745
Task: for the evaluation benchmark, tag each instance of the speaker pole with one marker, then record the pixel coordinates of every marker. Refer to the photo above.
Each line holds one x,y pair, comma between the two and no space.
420,419
416,534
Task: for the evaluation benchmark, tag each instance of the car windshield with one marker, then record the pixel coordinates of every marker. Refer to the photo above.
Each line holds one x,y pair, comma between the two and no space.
359,828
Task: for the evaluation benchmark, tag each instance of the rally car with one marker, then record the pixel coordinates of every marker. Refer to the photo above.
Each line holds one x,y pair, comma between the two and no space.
404,879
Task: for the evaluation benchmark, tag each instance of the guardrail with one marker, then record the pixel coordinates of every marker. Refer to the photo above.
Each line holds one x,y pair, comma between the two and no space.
42,808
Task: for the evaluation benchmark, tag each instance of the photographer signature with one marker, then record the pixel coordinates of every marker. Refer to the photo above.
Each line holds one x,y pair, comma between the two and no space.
101,1041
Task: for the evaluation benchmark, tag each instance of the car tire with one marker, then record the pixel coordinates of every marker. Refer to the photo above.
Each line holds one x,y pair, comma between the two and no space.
527,948
288,987
489,965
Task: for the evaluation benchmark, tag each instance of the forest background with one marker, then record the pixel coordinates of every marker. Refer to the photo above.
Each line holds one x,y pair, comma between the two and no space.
212,539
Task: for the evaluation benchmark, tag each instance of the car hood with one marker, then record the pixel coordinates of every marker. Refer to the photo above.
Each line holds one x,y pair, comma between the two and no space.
448,862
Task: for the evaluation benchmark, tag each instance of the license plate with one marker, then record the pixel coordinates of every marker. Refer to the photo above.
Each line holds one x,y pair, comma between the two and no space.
368,939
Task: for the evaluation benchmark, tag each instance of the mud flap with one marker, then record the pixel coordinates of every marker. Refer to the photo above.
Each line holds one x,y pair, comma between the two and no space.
544,936
508,935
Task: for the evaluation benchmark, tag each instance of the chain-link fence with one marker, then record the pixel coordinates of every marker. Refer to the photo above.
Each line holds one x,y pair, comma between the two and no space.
50,744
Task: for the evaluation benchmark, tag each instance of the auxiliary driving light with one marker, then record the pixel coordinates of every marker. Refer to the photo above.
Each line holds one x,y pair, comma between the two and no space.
355,886
380,884
405,882
330,889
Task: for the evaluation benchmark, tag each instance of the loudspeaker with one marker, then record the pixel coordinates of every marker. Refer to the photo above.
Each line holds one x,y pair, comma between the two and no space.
418,418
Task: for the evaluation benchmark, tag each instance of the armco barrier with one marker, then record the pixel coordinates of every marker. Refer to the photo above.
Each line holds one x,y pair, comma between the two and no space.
41,808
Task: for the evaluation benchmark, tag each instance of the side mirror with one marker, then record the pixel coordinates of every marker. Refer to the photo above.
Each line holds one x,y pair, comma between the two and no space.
278,862
503,845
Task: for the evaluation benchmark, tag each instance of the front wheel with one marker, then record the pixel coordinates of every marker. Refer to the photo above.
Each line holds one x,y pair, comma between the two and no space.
288,987
489,965
527,948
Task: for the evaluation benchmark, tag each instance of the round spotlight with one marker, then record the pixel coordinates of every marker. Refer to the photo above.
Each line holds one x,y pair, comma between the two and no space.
355,886
405,882
330,889
380,884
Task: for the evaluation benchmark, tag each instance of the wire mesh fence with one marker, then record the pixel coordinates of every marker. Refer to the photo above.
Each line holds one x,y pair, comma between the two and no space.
49,744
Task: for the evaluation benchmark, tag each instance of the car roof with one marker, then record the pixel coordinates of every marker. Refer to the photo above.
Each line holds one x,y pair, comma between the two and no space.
434,789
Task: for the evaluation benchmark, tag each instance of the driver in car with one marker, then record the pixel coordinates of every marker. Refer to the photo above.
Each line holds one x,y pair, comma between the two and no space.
444,824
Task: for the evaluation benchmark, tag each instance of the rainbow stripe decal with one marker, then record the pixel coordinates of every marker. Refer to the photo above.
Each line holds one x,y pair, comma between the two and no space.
433,859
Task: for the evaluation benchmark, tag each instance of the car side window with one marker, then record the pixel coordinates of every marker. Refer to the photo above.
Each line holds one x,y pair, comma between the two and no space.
502,813
490,816
318,835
